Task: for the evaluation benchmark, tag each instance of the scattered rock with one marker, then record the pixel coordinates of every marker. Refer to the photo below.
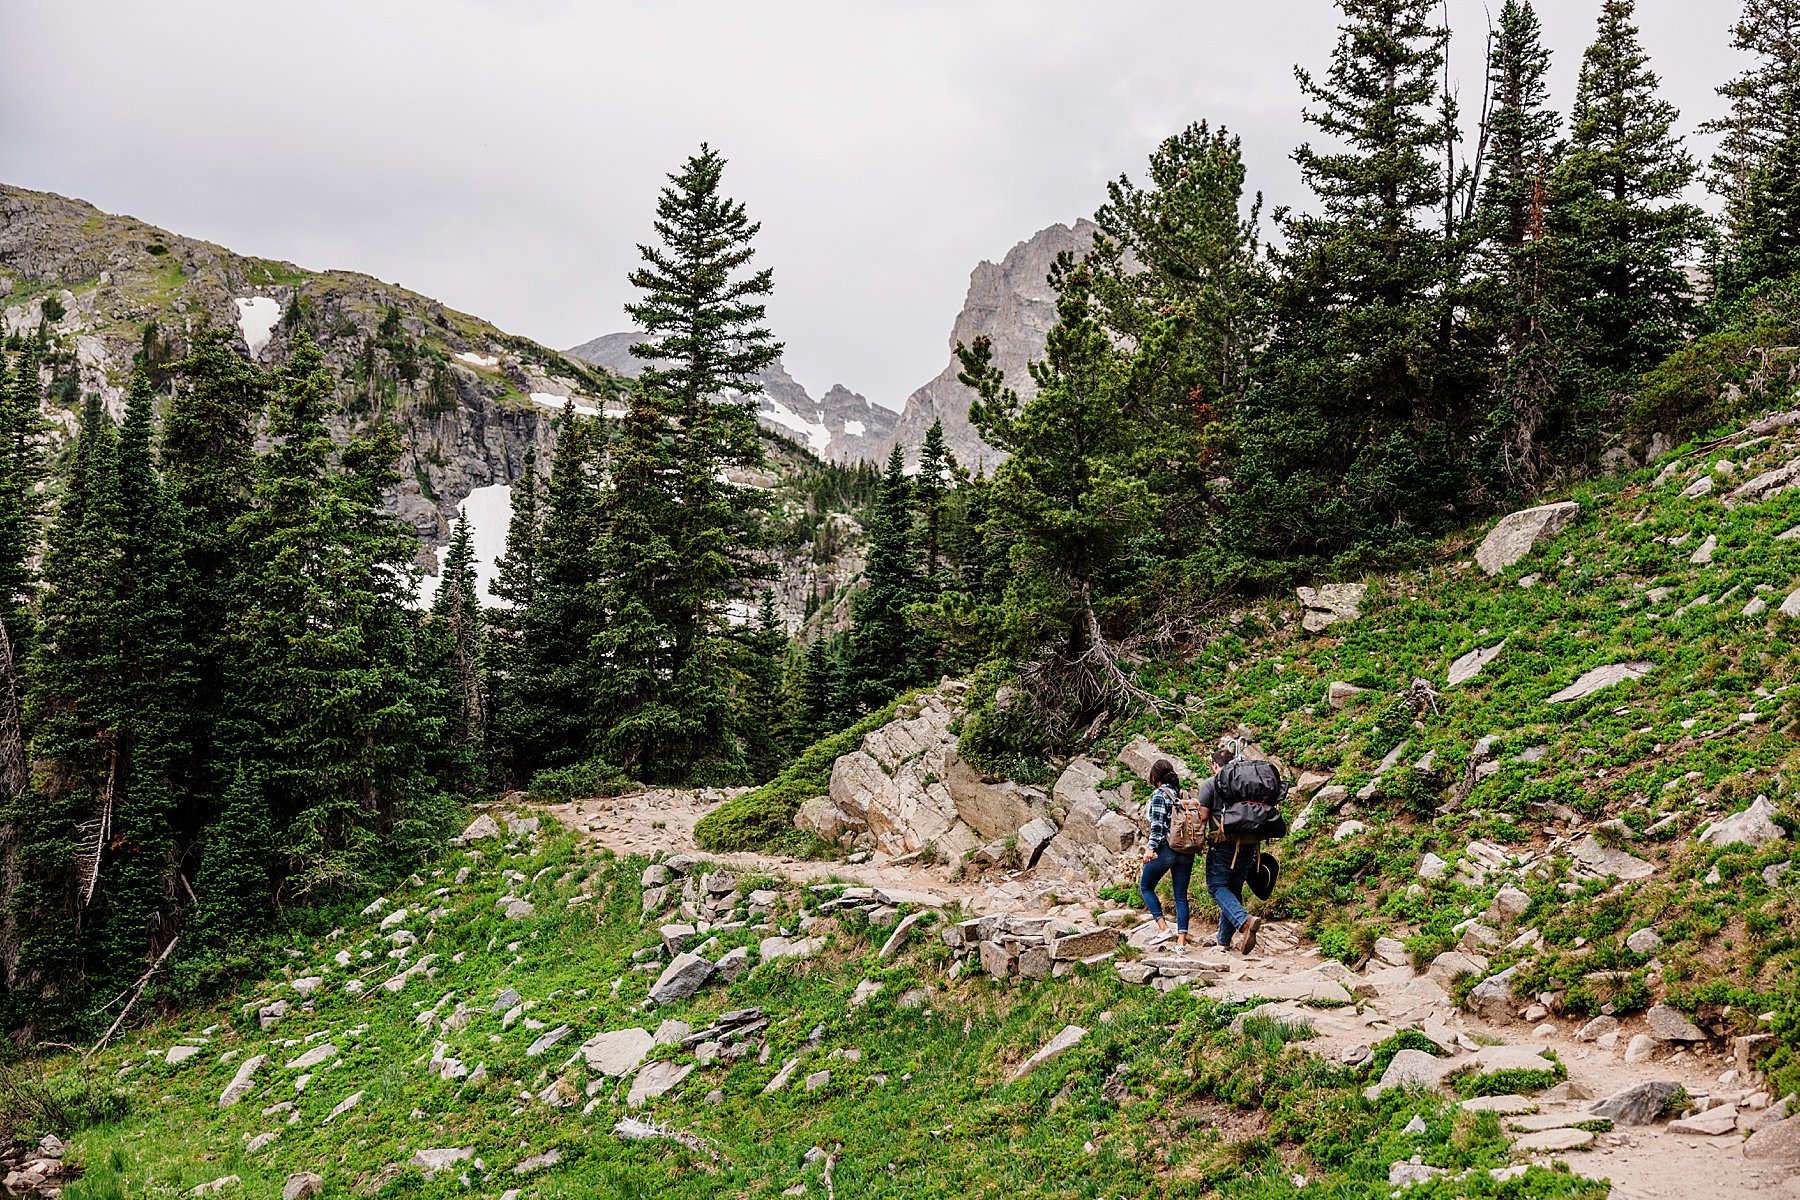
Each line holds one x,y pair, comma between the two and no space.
1470,664
1348,829
216,1186
1339,694
1644,941
1754,827
1448,965
1409,1069
733,963
537,1162
322,1053
1601,678
480,829
618,1052
782,1077
441,1159
1491,999
681,979
243,1081
1551,1141
1597,1028
1404,1174
345,1105
546,1040
1328,604
655,1080
1609,861
1640,1048
1431,867
1670,1025
1779,1142
1639,1105
1517,533
1055,1048
1711,1123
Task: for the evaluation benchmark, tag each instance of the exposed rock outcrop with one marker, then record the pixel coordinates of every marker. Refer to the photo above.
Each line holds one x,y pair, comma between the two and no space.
1011,303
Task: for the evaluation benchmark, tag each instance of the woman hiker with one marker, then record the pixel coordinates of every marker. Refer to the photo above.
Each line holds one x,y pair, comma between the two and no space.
1160,859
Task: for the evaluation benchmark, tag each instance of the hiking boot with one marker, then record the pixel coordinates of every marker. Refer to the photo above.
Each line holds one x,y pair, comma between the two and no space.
1251,925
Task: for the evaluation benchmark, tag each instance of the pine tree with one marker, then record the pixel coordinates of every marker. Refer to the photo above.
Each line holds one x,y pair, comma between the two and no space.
821,690
327,708
644,729
1755,169
884,653
765,714
937,467
235,885
1070,499
1622,233
506,664
555,681
1185,245
1358,431
706,341
457,607
22,431
1518,295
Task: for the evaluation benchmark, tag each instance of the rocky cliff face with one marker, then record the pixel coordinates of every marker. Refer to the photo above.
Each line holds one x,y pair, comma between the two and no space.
1012,304
467,397
840,426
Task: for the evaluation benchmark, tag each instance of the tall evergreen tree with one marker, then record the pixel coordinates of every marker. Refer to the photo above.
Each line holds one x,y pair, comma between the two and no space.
1622,233
1517,297
555,685
22,431
644,728
936,470
820,690
457,609
1756,170
705,340
1358,430
507,665
327,706
1071,501
765,709
883,655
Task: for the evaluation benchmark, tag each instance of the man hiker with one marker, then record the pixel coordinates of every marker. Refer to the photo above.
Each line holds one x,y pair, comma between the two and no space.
1229,863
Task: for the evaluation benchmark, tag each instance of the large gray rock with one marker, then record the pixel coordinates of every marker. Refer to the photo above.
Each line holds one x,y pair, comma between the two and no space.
1754,827
441,1158
1052,1050
242,1082
1033,836
322,1053
618,1052
1409,1069
1326,605
1769,483
1516,534
1140,753
1492,998
1779,1142
480,829
1080,779
1448,965
1670,1025
993,809
681,979
547,1039
822,818
301,1185
1339,694
1601,678
1638,1105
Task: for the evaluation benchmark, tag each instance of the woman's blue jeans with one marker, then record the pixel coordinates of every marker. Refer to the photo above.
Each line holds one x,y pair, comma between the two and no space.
1178,867
1227,870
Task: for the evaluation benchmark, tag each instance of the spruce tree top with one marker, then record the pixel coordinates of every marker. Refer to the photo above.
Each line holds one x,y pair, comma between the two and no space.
704,332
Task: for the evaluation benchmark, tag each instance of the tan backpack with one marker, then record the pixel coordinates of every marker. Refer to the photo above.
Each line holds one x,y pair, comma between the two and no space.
1187,832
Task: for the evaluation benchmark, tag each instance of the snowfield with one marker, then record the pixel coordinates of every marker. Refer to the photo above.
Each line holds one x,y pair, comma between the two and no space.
855,428
485,361
583,405
815,432
488,510
256,320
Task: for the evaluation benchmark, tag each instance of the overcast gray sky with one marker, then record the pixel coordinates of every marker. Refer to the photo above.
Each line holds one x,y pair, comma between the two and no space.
504,156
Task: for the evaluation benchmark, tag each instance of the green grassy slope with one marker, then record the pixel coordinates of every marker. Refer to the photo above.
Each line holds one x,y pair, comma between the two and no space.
1642,764
923,1109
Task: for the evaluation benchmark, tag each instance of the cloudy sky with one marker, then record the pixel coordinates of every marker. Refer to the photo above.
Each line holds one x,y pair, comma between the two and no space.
504,155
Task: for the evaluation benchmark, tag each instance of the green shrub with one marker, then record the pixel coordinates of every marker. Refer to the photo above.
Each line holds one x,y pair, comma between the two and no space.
764,817
31,1107
583,781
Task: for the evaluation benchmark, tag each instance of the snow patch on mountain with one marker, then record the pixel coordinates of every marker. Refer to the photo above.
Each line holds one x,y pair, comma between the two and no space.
256,320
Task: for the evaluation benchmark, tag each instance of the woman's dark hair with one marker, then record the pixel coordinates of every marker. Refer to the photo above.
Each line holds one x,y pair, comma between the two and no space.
1162,772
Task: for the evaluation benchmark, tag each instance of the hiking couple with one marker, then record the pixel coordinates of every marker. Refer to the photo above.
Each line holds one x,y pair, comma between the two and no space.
1232,811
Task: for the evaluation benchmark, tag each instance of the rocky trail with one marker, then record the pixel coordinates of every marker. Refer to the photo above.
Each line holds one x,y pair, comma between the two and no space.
1620,1071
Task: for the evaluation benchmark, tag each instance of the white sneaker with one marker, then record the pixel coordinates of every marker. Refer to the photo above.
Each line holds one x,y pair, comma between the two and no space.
1161,936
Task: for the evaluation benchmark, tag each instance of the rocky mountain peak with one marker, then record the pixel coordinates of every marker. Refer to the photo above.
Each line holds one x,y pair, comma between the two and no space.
1012,304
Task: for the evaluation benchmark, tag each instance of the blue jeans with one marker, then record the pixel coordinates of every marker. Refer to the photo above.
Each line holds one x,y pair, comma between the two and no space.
1225,881
1178,867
